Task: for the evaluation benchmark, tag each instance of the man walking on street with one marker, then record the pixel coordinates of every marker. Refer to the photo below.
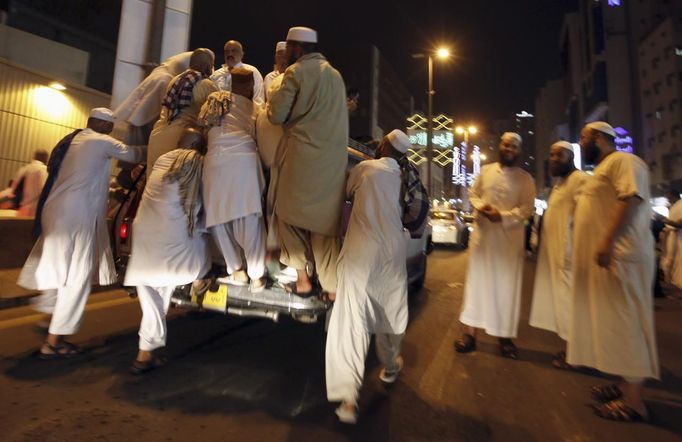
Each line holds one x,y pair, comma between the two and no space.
612,326
74,240
372,296
311,162
551,308
503,197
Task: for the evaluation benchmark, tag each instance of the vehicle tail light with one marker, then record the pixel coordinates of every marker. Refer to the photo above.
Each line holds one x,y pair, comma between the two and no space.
123,232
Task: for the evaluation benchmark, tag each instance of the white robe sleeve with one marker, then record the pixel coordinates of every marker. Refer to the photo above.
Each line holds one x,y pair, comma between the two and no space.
629,178
519,214
475,197
282,100
353,182
258,89
123,152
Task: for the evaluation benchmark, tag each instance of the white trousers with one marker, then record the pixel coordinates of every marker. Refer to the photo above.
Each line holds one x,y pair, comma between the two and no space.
346,351
154,302
66,305
245,234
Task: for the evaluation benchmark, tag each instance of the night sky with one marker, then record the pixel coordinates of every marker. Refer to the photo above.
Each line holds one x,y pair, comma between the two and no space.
504,49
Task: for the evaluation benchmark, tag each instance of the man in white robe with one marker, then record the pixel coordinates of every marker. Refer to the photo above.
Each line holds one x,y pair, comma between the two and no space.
280,67
551,307
233,181
31,179
503,197
234,52
612,326
372,287
167,253
74,243
671,256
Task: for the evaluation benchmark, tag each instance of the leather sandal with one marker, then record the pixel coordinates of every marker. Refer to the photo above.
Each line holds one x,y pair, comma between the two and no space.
619,411
606,393
465,344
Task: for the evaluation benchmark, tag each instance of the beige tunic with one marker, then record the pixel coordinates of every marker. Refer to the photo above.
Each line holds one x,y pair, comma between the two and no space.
671,256
612,326
552,289
165,136
311,159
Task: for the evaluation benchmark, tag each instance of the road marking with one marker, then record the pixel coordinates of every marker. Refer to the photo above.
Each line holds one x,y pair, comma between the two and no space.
33,318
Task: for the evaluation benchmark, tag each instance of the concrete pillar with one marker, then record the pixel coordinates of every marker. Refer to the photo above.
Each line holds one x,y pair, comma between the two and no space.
140,44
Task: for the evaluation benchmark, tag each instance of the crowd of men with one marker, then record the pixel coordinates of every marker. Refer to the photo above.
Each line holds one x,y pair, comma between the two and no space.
216,143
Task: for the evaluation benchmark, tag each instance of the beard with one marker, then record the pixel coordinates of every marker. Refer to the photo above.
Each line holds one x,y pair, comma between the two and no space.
507,160
591,153
560,169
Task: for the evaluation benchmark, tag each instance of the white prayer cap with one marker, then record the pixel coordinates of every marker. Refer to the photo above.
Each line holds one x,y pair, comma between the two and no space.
102,113
399,140
302,34
281,46
602,127
564,145
513,135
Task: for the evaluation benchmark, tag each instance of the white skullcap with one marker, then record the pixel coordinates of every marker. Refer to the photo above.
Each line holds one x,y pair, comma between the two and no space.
513,135
102,113
564,145
302,34
399,140
281,46
602,127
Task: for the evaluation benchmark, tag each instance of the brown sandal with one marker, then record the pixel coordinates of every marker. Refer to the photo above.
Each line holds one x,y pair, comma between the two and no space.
142,367
63,350
508,349
560,363
619,411
465,344
606,393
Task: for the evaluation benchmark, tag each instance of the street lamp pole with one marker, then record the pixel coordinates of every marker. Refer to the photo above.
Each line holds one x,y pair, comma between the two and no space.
429,132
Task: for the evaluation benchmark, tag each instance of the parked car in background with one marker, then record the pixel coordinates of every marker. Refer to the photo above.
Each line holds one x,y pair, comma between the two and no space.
449,228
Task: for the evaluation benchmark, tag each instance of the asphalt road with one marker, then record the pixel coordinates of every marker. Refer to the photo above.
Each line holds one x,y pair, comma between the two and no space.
249,379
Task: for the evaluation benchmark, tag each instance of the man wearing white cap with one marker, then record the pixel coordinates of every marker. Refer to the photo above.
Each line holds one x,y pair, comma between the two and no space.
71,221
503,196
311,162
551,306
233,52
372,290
280,67
612,326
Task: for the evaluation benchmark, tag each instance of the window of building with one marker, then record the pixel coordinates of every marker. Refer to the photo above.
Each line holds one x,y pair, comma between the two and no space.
647,92
661,137
649,115
667,52
655,62
675,131
659,113
672,106
657,87
670,80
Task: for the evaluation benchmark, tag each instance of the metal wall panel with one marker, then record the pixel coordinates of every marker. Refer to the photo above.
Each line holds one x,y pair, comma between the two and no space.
35,116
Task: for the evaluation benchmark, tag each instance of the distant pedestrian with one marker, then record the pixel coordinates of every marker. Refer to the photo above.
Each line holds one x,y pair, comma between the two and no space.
372,294
169,241
551,308
278,69
28,183
184,97
73,246
311,162
503,197
671,259
612,320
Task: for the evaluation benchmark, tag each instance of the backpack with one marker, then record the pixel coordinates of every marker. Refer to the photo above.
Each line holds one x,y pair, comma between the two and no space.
414,199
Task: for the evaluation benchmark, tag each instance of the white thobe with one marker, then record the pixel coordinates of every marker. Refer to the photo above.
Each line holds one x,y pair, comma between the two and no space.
163,254
492,295
267,82
223,79
671,258
612,325
233,188
75,241
551,305
372,279
34,175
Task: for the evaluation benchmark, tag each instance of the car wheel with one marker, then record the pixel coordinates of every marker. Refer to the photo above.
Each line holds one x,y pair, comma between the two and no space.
465,239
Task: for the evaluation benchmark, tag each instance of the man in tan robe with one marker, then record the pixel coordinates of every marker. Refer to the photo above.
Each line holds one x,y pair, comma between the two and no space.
612,323
311,162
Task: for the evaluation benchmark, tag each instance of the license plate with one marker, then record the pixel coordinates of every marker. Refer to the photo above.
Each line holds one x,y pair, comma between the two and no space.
216,300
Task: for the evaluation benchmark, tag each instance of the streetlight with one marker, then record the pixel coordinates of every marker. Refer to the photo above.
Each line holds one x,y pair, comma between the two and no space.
441,53
471,130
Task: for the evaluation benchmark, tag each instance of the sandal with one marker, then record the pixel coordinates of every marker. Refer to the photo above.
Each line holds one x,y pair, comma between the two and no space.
559,361
142,367
64,350
291,289
619,411
508,349
465,344
606,393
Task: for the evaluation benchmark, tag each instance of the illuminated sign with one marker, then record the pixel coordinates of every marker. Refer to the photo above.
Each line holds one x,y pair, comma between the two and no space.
577,156
623,140
441,138
614,2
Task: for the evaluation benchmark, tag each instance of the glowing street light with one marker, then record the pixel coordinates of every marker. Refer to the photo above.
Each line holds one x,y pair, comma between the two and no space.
441,53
